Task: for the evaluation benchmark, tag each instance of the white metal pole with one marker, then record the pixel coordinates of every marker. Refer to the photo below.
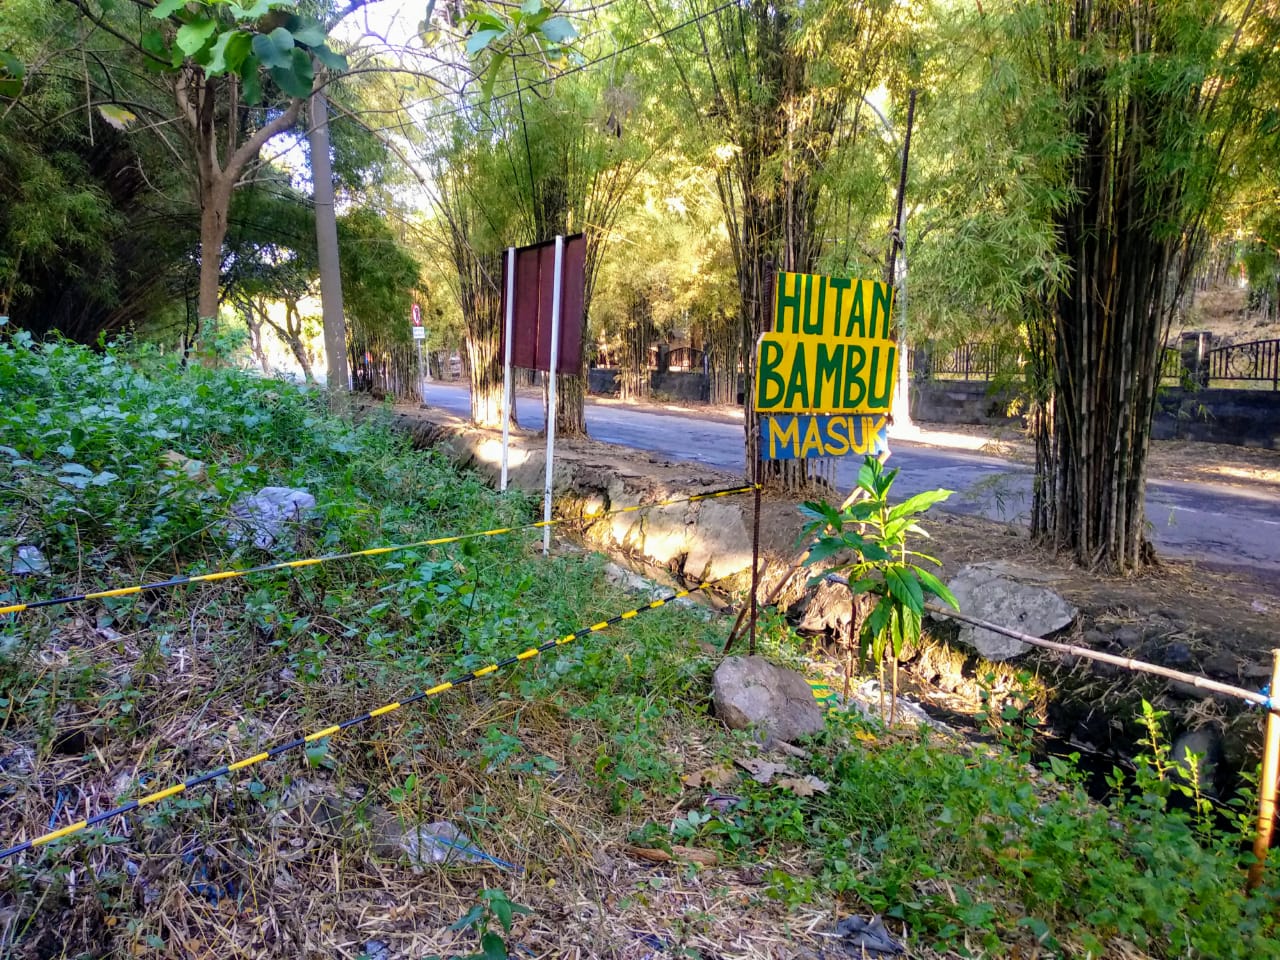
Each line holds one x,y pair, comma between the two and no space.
422,384
551,395
506,362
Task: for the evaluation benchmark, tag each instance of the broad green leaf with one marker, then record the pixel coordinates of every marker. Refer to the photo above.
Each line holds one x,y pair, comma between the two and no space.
491,75
904,587
473,915
194,35
259,8
274,49
11,72
12,65
531,6
309,33
252,81
817,510
166,8
501,907
116,115
334,61
919,503
481,39
228,52
935,586
153,43
822,550
493,947
558,30
874,552
238,49
876,622
886,481
911,621
861,511
297,78
486,20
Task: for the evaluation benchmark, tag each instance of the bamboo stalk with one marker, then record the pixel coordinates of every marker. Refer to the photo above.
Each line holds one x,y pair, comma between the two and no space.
1267,788
1128,663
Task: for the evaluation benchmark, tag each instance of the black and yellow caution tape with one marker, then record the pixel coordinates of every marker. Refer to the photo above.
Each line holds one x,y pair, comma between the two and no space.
333,730
330,557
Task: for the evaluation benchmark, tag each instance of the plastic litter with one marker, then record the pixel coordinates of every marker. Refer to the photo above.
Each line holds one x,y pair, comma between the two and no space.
264,518
864,938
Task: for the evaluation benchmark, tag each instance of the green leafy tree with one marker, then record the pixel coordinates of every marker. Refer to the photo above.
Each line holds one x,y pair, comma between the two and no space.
1157,102
881,569
777,90
92,219
221,61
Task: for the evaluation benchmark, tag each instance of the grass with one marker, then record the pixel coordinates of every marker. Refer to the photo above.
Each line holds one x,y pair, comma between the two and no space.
554,766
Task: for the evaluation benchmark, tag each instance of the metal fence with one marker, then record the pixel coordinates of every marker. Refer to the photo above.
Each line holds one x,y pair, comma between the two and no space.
1257,361
968,361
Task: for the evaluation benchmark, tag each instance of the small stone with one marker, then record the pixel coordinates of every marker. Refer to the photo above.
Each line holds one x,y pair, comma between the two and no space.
1205,745
1257,671
1101,669
1095,638
1222,663
1128,637
195,470
752,692
77,741
1186,691
267,517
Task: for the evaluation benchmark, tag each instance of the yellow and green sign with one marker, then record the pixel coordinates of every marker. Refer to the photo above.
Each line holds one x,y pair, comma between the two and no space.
825,371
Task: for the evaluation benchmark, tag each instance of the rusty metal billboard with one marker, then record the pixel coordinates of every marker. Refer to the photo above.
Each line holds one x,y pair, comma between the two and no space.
531,320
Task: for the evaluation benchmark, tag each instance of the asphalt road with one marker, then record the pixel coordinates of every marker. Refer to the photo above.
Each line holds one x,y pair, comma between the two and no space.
1231,526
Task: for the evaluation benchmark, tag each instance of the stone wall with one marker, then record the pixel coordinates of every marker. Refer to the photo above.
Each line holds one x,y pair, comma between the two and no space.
1243,418
963,401
687,386
698,541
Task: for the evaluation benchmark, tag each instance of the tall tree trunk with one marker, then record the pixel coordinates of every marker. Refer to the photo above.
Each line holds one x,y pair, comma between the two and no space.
1131,237
292,335
197,97
482,312
254,325
335,325
215,202
633,374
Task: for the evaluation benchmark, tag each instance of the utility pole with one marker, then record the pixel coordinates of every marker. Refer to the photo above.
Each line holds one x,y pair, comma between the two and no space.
897,249
335,325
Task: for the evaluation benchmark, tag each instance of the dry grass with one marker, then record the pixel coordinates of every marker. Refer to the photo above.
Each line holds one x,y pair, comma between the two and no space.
304,869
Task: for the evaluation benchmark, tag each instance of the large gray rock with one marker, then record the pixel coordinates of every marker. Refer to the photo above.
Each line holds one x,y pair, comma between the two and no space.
1003,594
752,692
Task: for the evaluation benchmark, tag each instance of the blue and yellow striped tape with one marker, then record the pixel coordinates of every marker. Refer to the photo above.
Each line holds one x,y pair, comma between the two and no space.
334,729
330,557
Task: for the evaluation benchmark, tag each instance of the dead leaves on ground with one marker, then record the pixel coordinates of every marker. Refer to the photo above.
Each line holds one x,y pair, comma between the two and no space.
762,771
